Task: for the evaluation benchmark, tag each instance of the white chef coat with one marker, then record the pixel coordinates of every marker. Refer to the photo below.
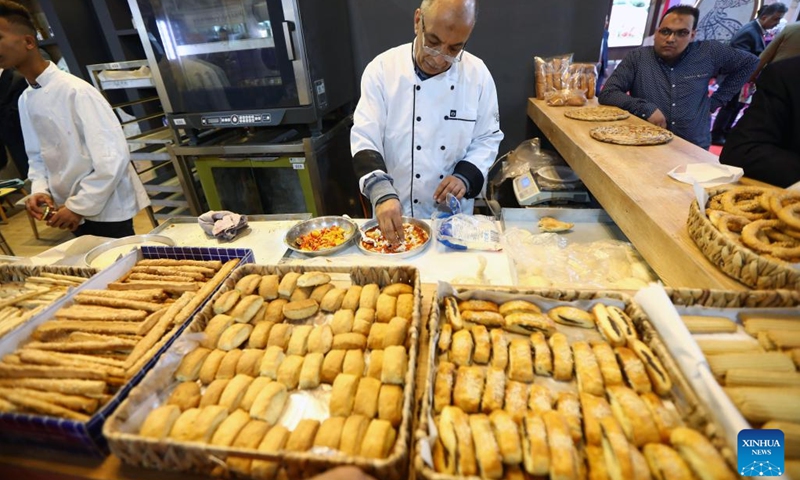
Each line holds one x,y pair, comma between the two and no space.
77,151
423,128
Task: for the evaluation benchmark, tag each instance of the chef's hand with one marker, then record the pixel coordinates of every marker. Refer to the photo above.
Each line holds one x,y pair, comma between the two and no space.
450,184
658,119
33,202
65,219
343,473
390,221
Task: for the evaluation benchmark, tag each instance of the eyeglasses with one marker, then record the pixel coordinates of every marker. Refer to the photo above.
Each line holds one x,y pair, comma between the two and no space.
666,32
436,53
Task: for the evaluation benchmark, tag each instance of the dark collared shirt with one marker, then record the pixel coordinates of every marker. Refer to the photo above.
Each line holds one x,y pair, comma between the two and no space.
680,91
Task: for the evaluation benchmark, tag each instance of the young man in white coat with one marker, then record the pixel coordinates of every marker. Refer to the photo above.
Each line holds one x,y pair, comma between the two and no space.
76,149
427,123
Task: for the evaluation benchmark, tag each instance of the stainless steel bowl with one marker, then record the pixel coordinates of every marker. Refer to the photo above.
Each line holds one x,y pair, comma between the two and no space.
350,228
134,241
409,253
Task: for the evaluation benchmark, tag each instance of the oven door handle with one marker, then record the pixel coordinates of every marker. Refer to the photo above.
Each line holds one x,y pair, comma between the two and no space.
288,29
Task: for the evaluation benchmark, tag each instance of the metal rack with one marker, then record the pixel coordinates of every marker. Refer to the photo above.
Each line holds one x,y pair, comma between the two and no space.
164,179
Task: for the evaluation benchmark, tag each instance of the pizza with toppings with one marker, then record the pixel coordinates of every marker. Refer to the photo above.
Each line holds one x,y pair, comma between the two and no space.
321,239
374,241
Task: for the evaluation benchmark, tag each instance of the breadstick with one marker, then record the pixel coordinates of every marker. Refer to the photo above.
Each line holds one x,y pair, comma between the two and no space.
197,273
133,370
150,284
24,296
206,290
170,262
91,312
72,357
38,357
49,281
166,278
116,344
60,385
69,278
56,328
49,371
44,407
143,295
150,321
73,402
158,330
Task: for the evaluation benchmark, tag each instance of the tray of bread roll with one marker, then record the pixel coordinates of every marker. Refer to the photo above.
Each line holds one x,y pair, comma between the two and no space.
63,373
564,384
288,371
749,350
27,290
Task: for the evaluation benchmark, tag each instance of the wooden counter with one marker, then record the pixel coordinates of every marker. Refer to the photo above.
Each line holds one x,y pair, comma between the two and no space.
632,185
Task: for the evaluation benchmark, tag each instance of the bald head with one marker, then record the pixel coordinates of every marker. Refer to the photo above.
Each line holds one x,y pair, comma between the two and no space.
460,11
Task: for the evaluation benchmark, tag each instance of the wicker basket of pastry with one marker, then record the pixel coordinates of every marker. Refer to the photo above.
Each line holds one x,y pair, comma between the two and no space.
751,233
561,383
292,371
27,290
751,344
63,373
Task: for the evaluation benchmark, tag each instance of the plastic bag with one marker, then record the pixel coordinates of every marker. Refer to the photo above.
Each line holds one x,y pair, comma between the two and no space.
460,231
549,73
583,76
561,98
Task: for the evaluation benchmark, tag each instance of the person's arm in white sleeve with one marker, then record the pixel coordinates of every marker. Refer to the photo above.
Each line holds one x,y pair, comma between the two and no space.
108,150
482,150
37,171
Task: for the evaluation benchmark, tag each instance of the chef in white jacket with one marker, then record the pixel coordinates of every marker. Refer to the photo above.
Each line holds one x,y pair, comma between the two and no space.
427,123
77,153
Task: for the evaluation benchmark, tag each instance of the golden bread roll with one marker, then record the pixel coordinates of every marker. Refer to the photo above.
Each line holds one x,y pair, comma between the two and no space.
490,461
269,403
208,371
562,357
571,316
227,367
234,392
214,330
377,333
268,287
313,279
301,293
349,341
248,284
535,448
385,308
260,335
611,329
378,440
499,349
275,440
250,362
160,421
226,301
289,371
540,399
298,342
507,434
332,365
275,310
659,378
279,335
587,371
355,427
375,364
665,463
527,323
234,336
273,357
634,370
443,385
445,338
569,407
320,291
342,321
397,289
520,362
354,363
252,392
395,365
462,347
230,427
310,372
457,437
246,309
478,306
249,437
564,462
468,389
352,298
320,339
405,306
213,392
483,344
343,395
302,437
330,432
332,300
487,319
185,396
514,306
616,449
607,361
287,284
703,459
366,401
594,408
493,392
395,332
596,463
666,417
452,314
182,427
639,463
516,399
189,368
390,404
369,296
300,309
543,363
633,416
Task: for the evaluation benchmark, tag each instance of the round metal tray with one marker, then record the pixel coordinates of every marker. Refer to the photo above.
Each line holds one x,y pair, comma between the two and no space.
409,253
350,228
134,241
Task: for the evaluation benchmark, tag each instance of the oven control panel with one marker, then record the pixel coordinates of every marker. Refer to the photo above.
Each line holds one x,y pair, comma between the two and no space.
236,120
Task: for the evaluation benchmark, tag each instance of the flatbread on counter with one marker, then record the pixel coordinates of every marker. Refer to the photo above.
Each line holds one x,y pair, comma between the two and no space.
631,134
597,114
